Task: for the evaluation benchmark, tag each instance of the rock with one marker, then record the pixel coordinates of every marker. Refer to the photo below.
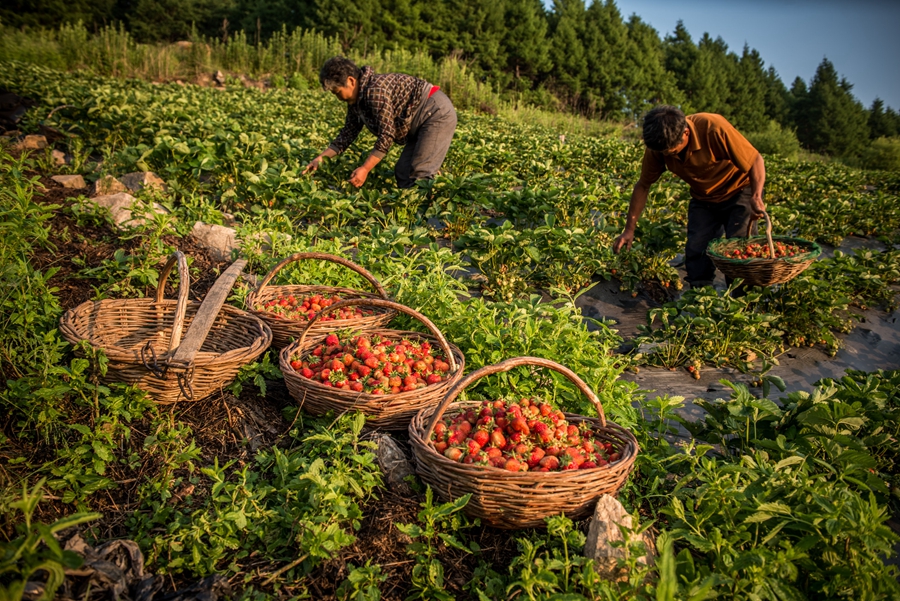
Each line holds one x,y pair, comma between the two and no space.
219,78
143,179
59,158
393,462
229,220
219,240
121,208
70,181
33,143
608,516
107,186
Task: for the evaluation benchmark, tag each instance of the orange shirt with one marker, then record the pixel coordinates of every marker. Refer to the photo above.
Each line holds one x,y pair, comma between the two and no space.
716,162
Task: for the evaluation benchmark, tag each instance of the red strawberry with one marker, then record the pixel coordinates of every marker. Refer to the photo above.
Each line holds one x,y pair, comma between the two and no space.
332,340
497,438
512,465
481,436
453,453
550,462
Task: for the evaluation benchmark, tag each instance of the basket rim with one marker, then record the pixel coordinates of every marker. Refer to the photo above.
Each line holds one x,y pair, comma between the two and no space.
123,354
714,248
417,434
285,353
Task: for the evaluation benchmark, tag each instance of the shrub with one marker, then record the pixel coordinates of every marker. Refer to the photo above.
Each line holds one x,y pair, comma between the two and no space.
776,139
884,154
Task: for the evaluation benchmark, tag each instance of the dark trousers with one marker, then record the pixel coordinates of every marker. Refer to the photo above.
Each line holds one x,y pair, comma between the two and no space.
708,221
428,144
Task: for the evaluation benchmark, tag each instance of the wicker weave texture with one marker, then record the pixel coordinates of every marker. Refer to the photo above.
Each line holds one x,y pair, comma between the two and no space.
285,331
123,327
520,499
759,271
389,411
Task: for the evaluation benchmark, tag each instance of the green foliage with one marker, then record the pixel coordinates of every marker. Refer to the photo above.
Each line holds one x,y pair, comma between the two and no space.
883,153
301,502
428,536
362,583
36,550
775,139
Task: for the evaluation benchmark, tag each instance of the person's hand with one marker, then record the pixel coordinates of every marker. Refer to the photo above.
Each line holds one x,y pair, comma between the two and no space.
758,206
358,178
624,240
313,165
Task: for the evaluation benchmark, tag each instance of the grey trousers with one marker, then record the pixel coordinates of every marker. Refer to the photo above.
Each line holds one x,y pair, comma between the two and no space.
427,144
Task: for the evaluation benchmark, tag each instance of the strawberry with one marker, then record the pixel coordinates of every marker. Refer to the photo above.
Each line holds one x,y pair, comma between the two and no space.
453,453
497,438
332,340
550,462
481,436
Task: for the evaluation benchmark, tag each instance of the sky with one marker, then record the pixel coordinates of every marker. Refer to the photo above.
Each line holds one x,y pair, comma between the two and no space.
861,38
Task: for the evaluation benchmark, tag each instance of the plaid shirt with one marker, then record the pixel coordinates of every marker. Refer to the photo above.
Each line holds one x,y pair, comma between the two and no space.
386,105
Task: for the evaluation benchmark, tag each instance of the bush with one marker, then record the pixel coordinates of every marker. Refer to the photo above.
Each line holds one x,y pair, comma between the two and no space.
884,154
776,139
297,82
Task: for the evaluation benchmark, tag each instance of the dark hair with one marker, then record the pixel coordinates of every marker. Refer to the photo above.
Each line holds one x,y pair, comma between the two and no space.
335,71
663,127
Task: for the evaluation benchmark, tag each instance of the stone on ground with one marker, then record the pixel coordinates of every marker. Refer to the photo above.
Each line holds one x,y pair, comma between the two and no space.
59,158
604,530
393,462
33,143
143,179
121,207
219,240
70,181
107,186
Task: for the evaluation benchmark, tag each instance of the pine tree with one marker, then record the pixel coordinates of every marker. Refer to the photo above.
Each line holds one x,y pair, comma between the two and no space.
835,120
681,56
881,123
777,99
649,83
525,42
567,51
607,48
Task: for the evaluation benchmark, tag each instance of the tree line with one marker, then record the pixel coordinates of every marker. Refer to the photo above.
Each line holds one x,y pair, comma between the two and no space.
576,56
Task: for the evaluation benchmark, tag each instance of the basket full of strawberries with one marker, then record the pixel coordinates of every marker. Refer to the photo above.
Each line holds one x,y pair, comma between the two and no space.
388,375
763,260
289,309
522,461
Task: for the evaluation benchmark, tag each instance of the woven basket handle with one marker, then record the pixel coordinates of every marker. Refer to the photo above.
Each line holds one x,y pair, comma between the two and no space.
184,284
768,233
378,302
507,365
324,257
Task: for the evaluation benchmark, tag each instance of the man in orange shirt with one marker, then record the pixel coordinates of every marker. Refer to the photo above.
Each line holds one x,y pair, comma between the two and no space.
725,173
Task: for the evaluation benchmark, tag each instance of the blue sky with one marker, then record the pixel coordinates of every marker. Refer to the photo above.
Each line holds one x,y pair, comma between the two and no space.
861,38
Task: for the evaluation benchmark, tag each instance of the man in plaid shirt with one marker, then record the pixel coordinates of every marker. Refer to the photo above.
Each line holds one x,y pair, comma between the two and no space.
398,109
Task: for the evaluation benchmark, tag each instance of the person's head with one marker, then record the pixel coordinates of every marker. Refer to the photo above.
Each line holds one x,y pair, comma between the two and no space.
339,75
665,129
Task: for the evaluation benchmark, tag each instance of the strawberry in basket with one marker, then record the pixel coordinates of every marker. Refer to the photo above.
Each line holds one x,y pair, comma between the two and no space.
518,437
372,364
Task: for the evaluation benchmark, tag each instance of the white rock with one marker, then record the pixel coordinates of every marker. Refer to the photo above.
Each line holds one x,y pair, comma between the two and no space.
59,158
107,186
219,78
608,516
219,240
143,179
121,207
70,181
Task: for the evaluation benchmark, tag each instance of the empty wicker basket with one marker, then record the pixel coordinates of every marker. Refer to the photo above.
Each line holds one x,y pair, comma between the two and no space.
142,338
285,331
520,499
388,412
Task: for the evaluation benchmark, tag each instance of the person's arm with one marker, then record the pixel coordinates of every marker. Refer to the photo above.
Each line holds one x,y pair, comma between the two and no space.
635,208
314,164
352,126
757,181
362,172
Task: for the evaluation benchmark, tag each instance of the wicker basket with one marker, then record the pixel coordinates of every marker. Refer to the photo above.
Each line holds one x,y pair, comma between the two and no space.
285,331
387,412
520,499
762,272
142,338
